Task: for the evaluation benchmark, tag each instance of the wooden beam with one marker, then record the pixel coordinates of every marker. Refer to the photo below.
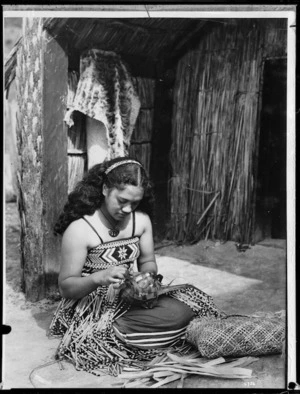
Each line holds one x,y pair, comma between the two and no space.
42,146
55,159
29,127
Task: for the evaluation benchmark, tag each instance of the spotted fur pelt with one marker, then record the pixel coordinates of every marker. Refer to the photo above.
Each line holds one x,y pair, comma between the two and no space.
106,92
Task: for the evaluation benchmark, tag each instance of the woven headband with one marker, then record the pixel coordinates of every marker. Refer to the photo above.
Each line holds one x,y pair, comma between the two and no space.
121,163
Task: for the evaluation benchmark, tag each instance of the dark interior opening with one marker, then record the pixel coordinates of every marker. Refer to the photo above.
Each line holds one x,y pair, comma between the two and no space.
161,144
271,185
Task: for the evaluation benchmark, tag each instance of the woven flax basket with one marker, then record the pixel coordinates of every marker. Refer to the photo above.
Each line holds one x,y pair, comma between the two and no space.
237,335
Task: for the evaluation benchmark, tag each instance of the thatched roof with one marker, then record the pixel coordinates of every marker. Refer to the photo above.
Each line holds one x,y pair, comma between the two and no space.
141,39
149,37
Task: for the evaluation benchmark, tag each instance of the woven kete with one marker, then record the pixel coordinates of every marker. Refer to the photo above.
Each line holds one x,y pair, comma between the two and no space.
237,336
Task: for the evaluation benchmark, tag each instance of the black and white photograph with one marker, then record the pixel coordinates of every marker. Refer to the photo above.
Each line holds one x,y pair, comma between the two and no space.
149,197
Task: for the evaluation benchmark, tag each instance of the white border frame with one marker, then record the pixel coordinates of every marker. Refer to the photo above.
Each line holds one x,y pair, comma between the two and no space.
214,11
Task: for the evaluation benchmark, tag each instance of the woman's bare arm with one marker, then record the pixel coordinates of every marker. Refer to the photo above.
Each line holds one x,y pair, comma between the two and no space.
146,261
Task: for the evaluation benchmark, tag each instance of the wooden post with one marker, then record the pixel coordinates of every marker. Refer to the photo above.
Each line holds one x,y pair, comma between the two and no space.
42,74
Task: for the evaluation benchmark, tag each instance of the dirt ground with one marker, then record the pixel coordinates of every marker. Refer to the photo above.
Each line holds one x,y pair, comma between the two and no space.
240,282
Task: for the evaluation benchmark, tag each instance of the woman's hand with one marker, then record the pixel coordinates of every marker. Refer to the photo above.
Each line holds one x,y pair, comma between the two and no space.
112,275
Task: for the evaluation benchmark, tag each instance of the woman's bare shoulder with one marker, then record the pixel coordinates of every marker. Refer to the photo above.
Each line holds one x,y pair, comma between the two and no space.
143,221
77,231
142,216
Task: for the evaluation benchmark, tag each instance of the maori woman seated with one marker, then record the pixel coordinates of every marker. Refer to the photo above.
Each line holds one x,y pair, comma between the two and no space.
107,242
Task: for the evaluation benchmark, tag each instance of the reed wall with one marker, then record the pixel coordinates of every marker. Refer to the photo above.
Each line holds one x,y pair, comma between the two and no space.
215,130
141,140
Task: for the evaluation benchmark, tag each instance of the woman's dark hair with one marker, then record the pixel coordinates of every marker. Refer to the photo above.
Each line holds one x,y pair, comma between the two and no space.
87,195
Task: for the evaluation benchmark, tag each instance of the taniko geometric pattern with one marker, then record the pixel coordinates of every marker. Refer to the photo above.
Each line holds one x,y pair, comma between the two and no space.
112,253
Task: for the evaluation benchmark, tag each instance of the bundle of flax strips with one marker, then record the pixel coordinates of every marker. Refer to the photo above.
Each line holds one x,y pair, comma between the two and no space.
172,367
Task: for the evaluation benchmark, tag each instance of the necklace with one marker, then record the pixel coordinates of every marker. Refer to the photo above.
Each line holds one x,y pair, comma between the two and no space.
114,231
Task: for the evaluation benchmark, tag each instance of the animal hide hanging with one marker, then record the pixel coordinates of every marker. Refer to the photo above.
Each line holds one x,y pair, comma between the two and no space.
105,92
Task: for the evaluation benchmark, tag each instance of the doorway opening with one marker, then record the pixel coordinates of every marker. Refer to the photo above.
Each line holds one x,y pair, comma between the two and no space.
271,174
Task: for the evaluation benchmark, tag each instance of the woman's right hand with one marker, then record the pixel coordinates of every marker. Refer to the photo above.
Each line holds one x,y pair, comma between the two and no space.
111,275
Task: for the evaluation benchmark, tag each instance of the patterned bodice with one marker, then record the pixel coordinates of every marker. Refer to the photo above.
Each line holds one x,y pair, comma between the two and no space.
107,254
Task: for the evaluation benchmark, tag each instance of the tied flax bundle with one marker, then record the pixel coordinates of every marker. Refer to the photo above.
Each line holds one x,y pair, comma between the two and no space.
144,289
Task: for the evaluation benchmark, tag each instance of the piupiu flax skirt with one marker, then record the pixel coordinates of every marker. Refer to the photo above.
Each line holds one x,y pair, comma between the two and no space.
101,333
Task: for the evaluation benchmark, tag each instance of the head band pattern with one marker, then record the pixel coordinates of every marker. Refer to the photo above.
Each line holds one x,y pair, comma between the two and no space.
121,163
